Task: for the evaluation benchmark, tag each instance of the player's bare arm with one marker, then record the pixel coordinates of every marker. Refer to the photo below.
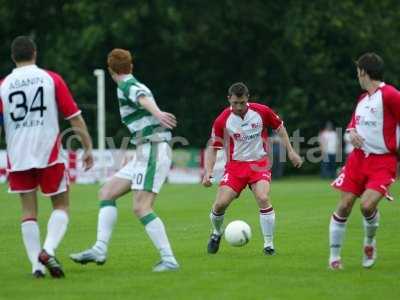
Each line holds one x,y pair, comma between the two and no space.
166,119
210,157
292,154
356,140
80,128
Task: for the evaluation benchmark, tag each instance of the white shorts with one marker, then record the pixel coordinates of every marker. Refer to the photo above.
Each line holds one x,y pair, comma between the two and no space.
149,168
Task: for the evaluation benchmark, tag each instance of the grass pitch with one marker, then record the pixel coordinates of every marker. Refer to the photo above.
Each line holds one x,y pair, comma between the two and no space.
298,271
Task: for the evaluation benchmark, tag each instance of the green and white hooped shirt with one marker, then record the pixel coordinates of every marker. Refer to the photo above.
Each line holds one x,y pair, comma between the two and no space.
143,126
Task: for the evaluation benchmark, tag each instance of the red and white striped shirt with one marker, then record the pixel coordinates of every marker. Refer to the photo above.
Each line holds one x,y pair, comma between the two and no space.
30,99
376,119
245,139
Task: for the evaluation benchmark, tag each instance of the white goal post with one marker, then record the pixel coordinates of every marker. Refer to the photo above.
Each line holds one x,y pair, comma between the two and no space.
101,117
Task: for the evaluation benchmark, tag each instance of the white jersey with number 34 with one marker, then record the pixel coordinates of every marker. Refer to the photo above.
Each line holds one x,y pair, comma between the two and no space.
30,101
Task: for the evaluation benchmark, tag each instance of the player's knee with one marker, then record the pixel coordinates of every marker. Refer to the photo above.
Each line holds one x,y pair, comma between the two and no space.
367,208
220,207
142,205
345,208
138,210
105,193
263,200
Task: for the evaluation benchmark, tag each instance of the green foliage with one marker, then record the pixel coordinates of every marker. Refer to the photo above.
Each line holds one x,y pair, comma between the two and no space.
296,56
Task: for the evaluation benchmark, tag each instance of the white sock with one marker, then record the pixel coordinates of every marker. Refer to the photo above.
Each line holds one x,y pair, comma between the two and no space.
337,228
371,224
267,222
156,231
31,237
108,214
216,221
56,228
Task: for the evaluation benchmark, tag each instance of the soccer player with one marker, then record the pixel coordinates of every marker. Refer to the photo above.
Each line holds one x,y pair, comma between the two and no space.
31,100
371,168
242,130
145,174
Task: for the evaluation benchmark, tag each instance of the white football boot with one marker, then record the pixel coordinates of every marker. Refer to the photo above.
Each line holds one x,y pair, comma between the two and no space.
166,265
335,264
369,255
87,256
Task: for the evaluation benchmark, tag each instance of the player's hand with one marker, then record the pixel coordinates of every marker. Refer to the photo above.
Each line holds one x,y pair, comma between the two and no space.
356,140
88,160
295,159
167,120
207,179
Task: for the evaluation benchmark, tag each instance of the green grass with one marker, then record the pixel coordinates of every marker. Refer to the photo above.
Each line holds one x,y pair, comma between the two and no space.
299,270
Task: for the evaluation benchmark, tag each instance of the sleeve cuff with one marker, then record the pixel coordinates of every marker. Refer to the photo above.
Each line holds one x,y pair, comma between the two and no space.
73,115
279,127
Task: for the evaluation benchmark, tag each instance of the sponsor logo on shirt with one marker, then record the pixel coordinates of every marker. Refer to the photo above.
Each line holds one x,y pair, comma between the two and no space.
360,121
245,138
256,125
373,110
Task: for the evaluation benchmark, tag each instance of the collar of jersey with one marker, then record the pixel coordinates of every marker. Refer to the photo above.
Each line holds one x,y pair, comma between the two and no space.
381,85
127,77
247,104
24,68
248,108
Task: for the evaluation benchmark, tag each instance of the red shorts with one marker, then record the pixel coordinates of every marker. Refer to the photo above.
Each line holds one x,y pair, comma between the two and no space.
375,171
52,180
238,174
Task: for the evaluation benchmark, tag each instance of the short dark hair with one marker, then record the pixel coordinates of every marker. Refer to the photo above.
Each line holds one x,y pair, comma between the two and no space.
372,64
22,48
239,89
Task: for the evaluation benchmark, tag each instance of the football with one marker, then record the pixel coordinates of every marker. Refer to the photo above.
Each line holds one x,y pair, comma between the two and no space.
237,233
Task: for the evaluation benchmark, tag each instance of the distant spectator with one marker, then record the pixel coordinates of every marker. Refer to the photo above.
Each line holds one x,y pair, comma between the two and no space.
278,156
348,147
328,141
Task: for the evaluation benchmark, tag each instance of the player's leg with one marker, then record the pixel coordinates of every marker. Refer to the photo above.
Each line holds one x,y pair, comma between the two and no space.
260,190
225,195
58,222
107,217
108,195
381,174
351,182
25,184
53,181
369,205
337,228
30,231
152,164
56,229
155,229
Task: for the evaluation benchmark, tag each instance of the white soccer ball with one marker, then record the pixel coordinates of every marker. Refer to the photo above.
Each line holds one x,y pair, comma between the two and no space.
237,233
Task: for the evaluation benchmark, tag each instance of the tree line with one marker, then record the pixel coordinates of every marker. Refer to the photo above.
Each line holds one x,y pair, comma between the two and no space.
295,56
